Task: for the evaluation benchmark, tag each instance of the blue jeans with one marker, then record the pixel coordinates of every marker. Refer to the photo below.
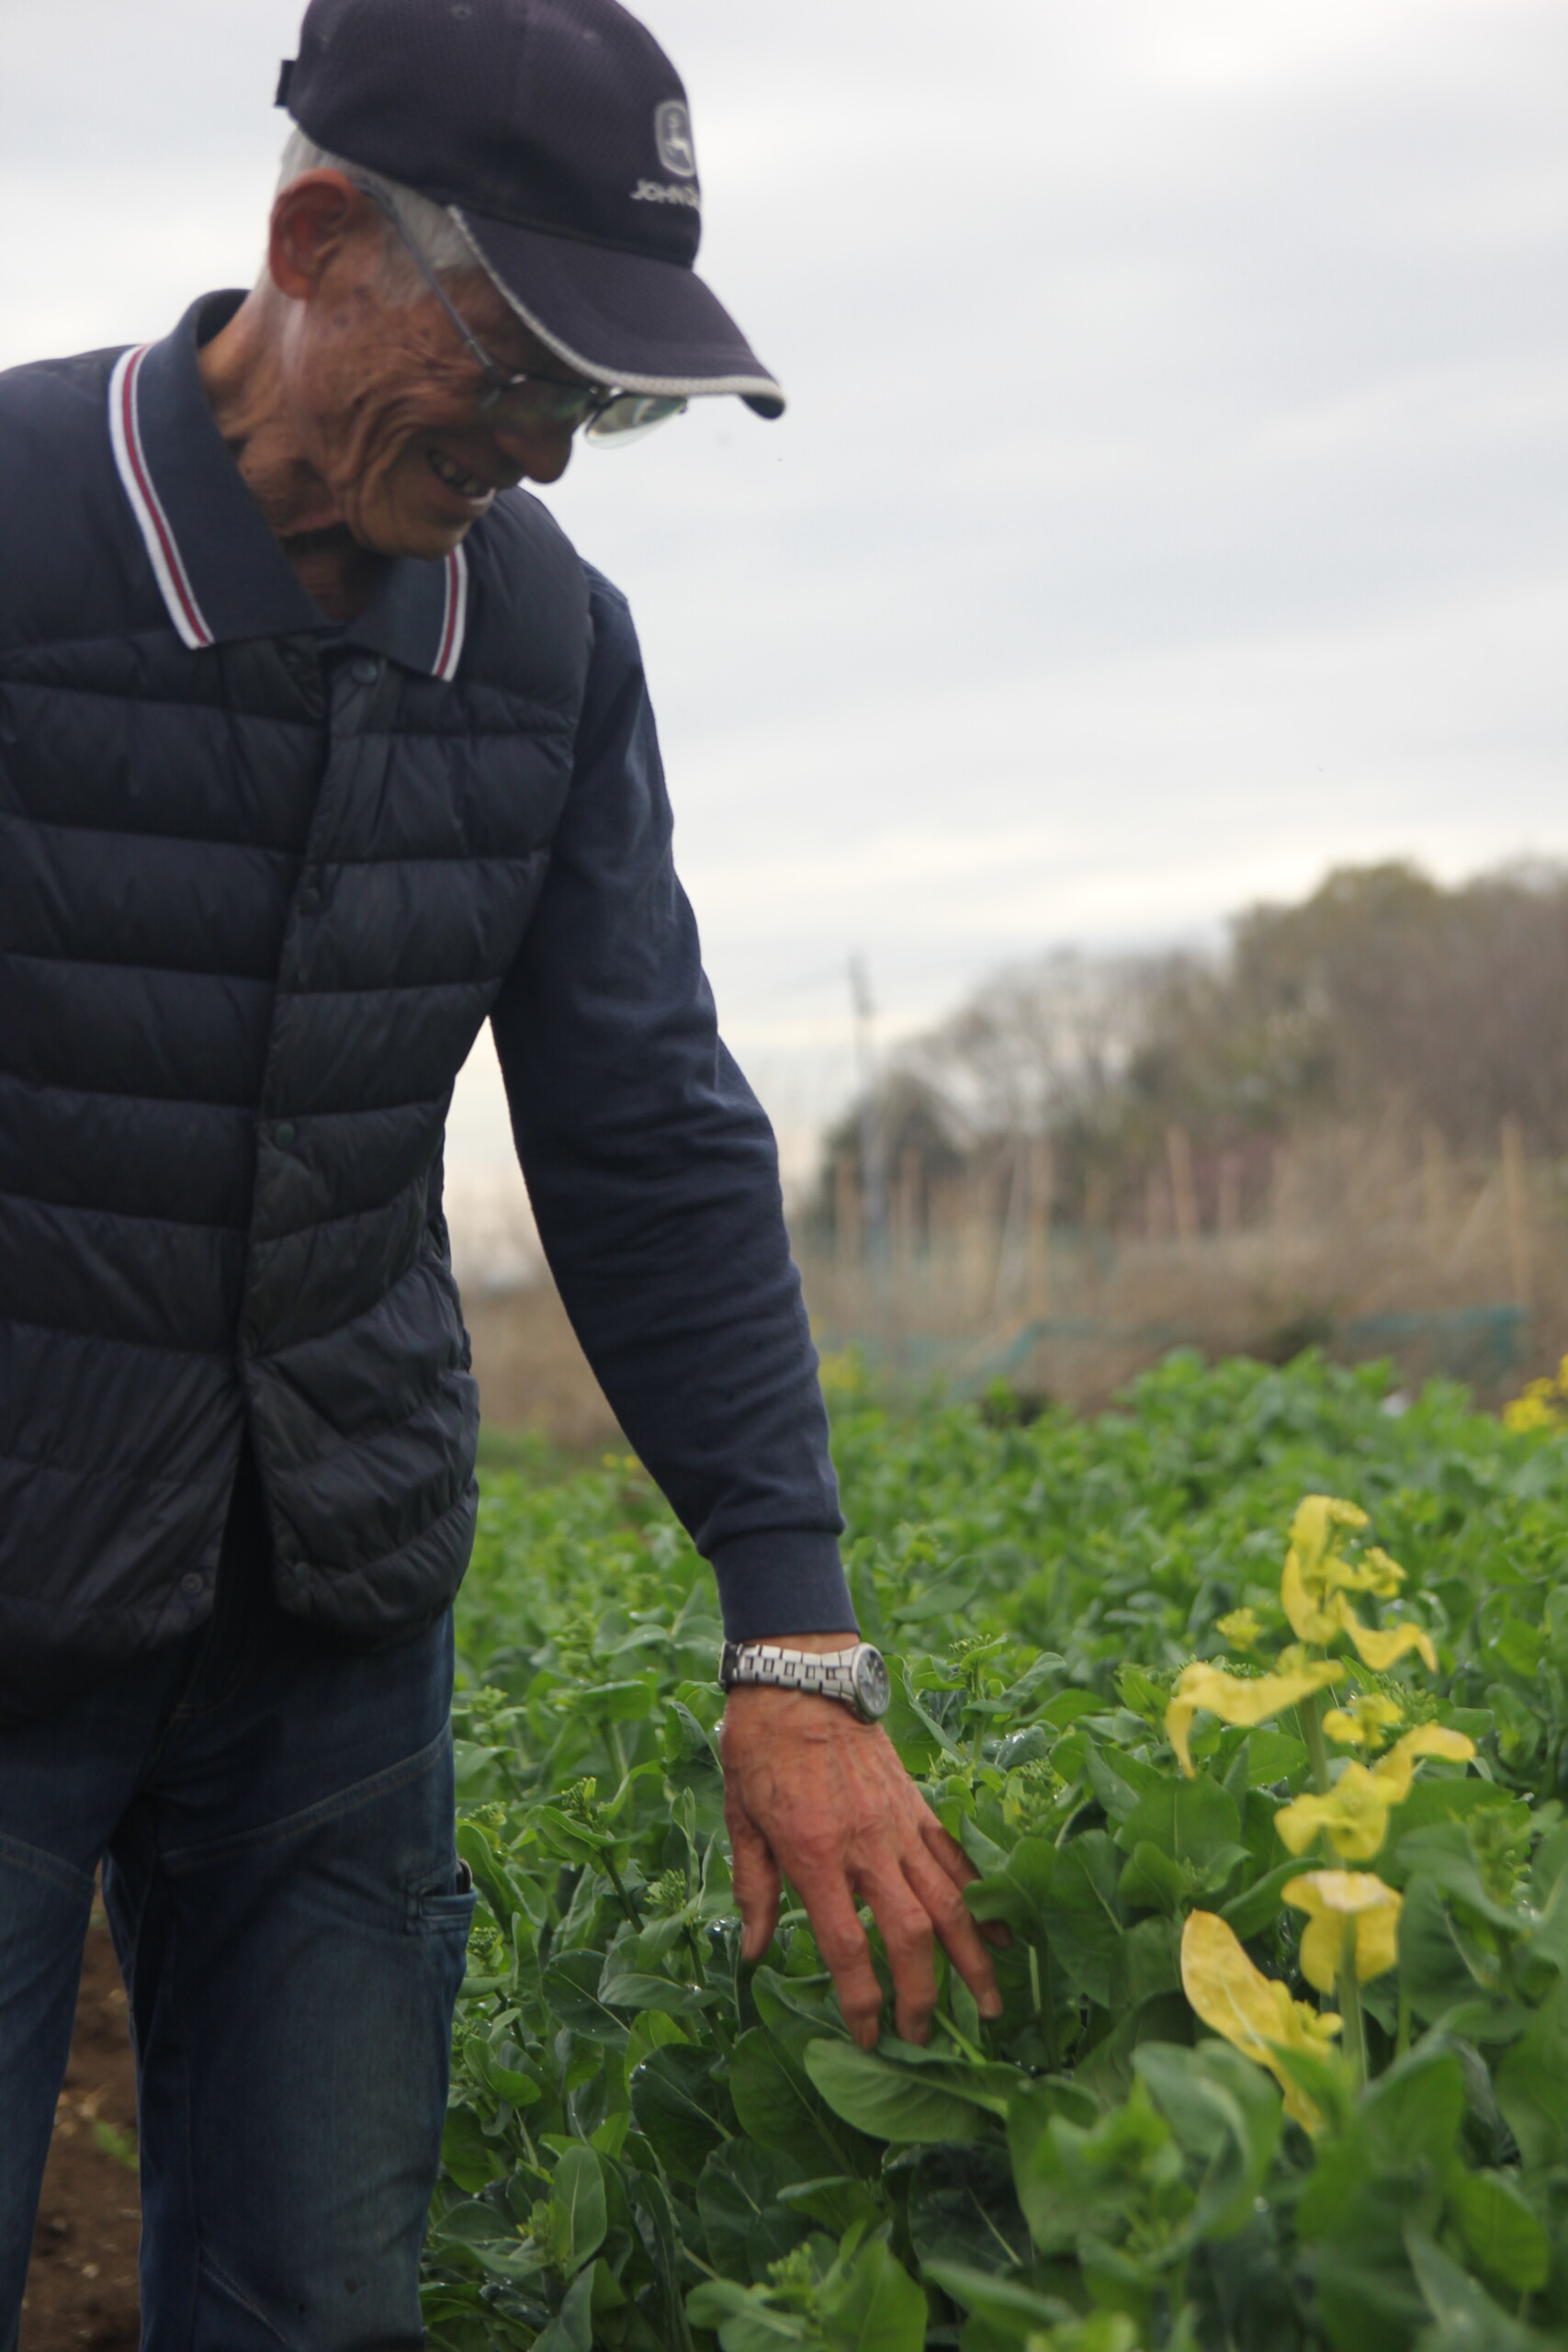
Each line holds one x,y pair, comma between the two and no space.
273,1816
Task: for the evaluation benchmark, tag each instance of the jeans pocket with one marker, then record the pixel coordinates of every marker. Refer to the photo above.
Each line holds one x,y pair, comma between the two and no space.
447,1903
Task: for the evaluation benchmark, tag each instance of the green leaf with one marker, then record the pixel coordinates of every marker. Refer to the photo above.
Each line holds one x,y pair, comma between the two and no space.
1151,1882
1188,1820
1532,2082
1411,2115
1506,2238
1436,1799
679,2107
635,1991
466,2156
1259,1904
745,2224
1439,1966
571,1985
962,2207
1227,2113
1082,1914
874,2306
777,2104
835,2202
889,2102
1442,1853
1467,2319
1069,1707
1012,2309
743,2322
571,2330
576,2186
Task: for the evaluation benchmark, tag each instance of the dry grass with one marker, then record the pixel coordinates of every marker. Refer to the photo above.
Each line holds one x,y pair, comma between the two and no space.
532,1373
1366,1244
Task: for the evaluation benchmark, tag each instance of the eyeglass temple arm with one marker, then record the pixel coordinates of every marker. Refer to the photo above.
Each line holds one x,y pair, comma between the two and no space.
498,378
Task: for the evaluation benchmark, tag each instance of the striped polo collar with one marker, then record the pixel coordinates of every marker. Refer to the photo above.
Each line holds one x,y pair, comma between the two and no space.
223,574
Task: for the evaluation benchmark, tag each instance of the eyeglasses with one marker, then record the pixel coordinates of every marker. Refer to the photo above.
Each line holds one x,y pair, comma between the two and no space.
608,418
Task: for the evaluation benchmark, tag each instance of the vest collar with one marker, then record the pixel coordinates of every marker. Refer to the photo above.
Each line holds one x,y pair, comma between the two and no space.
223,575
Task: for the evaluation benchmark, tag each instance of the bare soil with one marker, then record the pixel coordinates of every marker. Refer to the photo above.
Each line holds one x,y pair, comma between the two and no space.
82,2283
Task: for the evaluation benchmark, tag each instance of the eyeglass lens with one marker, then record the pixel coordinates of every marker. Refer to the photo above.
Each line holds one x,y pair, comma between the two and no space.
528,405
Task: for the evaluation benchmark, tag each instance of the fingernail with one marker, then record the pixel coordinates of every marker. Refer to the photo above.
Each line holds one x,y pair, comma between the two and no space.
991,2005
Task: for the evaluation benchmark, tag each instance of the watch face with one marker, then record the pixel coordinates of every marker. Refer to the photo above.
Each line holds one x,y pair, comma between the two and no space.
873,1688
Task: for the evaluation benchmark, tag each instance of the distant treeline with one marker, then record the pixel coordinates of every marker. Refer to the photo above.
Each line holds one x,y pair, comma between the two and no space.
1383,996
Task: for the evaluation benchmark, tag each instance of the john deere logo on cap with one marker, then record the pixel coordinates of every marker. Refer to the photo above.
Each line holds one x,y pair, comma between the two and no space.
672,131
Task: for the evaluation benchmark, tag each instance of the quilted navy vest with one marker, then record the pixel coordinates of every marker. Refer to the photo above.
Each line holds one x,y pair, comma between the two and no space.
260,883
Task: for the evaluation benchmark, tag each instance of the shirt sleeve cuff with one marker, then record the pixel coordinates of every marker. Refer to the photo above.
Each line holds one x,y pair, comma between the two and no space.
790,1580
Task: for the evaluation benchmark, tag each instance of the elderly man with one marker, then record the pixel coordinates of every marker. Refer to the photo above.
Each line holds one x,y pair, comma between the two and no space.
319,746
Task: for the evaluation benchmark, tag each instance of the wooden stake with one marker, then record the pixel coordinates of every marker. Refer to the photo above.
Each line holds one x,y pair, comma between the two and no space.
846,1213
1434,1186
1042,1184
1183,1192
1515,1210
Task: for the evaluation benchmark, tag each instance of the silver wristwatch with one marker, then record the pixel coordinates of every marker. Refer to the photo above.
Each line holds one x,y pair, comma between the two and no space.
856,1677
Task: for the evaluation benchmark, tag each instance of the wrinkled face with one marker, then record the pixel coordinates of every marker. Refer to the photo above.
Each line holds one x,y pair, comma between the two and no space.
384,404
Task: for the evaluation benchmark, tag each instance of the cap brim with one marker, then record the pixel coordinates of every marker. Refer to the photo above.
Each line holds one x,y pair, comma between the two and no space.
629,319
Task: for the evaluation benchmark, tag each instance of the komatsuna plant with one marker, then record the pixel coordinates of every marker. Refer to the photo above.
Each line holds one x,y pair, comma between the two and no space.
651,2145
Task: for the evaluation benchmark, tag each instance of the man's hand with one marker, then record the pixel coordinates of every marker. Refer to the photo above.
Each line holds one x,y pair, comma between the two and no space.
813,1795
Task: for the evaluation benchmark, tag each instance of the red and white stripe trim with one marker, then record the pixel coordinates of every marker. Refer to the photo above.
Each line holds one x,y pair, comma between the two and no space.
162,548
125,432
455,618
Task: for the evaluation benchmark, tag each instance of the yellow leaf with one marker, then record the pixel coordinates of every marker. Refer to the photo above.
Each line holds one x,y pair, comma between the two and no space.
1397,1769
1380,1650
1311,1620
1353,1816
1254,2012
1237,1699
1337,1901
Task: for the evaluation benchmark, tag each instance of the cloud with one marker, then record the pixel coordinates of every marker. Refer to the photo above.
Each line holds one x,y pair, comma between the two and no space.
1172,498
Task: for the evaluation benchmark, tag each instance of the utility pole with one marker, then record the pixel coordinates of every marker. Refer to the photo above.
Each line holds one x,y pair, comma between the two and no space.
873,1142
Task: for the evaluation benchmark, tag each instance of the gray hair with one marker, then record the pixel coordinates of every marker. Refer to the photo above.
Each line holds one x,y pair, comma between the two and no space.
440,239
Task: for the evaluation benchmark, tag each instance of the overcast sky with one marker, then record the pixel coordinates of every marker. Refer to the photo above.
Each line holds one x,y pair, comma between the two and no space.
1171,501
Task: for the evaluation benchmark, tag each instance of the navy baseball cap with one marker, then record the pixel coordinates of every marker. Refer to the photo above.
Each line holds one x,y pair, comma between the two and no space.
556,134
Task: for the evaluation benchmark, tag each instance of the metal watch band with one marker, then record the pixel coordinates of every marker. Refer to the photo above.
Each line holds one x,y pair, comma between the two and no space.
825,1673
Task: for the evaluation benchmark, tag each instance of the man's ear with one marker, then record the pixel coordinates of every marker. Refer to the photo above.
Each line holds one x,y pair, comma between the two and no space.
314,217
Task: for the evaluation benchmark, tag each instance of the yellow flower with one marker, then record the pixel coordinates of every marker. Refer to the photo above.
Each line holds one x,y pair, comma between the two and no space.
1316,1580
1536,1409
1354,1816
1241,1628
1364,1722
1345,1904
1235,1700
1253,2011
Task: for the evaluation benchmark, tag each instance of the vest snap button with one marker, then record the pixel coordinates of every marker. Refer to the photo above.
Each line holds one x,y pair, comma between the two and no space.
283,1133
363,672
193,1586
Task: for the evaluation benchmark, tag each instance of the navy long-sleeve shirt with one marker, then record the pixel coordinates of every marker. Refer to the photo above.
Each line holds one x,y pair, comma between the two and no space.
654,1177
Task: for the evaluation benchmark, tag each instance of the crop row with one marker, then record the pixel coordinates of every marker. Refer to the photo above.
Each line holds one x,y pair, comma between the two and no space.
1263,1782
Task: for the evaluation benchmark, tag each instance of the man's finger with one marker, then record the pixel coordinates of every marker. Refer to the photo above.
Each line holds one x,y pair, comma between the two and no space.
757,1883
951,1858
841,1940
906,1926
951,1916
